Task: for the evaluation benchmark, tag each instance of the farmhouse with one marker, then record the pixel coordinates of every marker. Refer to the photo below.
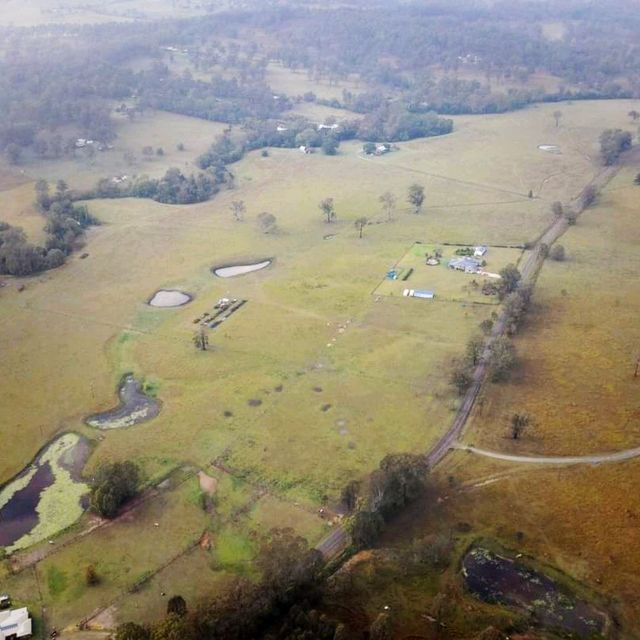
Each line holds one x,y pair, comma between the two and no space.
465,263
480,251
14,624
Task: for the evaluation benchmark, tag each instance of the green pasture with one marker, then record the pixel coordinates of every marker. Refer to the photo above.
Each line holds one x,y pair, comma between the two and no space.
315,379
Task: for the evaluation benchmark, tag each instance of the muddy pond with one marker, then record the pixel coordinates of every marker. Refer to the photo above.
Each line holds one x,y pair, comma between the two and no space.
501,580
233,270
135,407
168,298
47,496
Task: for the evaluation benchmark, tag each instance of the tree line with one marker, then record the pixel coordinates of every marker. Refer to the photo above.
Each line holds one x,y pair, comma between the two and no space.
64,227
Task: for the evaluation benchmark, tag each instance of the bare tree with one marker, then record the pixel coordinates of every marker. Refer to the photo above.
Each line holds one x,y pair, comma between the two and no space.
201,339
267,222
238,209
557,208
388,201
519,422
328,209
416,197
360,224
557,116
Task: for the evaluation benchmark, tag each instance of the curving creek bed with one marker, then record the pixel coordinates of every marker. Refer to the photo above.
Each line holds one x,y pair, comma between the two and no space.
47,496
497,579
135,407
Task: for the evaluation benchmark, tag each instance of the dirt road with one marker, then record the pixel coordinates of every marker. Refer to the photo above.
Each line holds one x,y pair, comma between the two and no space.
598,458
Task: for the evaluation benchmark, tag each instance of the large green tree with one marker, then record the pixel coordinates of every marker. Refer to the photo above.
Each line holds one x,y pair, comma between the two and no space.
416,196
114,484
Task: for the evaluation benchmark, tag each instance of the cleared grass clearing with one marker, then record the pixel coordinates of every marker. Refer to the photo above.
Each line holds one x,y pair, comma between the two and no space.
502,150
319,113
293,83
159,129
17,208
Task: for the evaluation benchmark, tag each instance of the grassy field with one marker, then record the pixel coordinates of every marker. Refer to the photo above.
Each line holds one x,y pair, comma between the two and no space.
314,380
293,83
157,130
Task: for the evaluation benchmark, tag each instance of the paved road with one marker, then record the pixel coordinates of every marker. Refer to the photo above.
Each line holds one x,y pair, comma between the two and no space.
598,458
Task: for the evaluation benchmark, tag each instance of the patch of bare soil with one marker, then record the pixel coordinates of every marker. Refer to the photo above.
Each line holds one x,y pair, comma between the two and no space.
208,484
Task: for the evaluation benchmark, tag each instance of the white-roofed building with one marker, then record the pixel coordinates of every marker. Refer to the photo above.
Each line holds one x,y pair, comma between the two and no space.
15,623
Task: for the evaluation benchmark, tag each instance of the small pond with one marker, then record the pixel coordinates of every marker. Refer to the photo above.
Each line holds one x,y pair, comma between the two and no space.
135,407
167,298
233,270
47,496
497,579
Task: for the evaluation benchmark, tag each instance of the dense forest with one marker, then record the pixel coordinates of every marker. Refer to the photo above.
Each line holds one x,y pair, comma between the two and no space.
411,61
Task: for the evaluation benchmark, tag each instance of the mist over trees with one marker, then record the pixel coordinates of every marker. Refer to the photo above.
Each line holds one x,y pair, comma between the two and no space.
59,83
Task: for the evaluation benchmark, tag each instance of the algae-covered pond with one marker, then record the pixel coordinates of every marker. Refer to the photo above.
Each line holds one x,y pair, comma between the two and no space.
135,407
47,496
501,580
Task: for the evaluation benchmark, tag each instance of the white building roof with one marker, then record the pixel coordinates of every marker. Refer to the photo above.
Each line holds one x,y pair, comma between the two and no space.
15,622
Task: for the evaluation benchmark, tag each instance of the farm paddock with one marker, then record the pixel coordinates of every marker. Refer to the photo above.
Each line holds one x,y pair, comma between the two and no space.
428,267
304,389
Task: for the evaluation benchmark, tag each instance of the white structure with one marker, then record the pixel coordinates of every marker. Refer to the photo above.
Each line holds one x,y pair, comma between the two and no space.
329,127
15,624
480,251
426,294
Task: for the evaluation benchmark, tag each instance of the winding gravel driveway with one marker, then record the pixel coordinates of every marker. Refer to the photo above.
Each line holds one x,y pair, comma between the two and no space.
598,458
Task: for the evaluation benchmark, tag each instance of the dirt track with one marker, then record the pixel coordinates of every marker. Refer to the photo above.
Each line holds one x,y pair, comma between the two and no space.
598,458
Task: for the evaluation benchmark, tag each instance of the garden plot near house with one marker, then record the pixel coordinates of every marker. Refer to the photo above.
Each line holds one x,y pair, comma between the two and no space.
453,273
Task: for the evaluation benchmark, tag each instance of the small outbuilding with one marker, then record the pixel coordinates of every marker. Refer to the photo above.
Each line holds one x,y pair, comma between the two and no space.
425,294
480,251
14,624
